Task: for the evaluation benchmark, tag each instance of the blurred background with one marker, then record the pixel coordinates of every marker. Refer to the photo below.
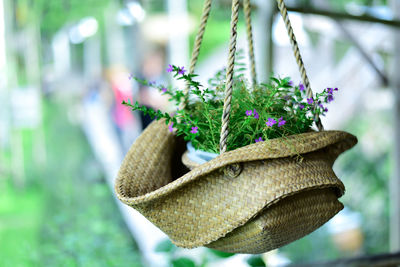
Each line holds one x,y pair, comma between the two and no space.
66,66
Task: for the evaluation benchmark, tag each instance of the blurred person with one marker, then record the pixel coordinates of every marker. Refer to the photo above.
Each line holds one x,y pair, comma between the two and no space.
152,70
127,124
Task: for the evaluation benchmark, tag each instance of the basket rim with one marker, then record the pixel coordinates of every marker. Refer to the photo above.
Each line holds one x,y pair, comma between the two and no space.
271,149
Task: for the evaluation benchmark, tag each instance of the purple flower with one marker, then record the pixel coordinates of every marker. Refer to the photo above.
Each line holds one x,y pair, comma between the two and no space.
181,70
301,87
194,130
290,83
248,112
336,89
329,90
310,101
301,106
259,140
281,122
325,109
170,127
163,89
329,98
270,122
170,68
256,115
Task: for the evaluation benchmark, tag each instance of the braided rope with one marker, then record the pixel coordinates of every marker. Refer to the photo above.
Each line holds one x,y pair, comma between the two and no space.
197,45
229,77
247,14
299,60
200,34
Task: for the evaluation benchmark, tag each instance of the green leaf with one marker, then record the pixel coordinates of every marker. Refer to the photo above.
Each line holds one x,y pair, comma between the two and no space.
256,261
221,254
165,246
183,262
272,79
248,137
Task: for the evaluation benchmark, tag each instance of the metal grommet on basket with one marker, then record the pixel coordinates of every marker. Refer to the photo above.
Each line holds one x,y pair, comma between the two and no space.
233,170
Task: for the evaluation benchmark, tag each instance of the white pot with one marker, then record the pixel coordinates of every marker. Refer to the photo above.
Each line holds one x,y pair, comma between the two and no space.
199,156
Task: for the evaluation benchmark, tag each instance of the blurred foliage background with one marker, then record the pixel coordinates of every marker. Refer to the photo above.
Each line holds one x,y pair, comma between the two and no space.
56,208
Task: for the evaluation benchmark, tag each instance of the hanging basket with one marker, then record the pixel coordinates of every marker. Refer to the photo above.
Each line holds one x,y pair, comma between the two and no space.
271,200
250,200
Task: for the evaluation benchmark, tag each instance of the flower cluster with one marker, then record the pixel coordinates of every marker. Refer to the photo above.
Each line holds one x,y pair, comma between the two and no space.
261,112
254,113
179,70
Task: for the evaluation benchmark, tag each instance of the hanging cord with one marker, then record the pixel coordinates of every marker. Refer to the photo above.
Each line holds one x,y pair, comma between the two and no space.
247,14
299,60
229,77
196,47
231,59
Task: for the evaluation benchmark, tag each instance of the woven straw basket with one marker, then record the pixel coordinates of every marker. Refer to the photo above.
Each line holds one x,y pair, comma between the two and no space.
249,200
273,200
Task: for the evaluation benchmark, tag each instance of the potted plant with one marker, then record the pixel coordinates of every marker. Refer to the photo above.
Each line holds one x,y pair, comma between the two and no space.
272,180
260,112
277,113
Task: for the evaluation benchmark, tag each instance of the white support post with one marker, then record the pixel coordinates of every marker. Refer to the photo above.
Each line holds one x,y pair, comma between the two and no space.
178,41
92,58
115,43
395,179
263,38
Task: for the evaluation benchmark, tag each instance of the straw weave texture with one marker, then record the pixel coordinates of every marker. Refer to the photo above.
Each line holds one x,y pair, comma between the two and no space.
284,222
274,200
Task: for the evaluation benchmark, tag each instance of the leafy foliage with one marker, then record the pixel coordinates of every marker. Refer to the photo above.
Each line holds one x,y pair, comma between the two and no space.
183,262
65,215
203,257
81,225
265,111
366,170
221,254
256,261
53,15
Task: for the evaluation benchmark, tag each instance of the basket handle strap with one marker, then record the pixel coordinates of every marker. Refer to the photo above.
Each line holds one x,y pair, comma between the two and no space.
197,44
231,64
229,77
231,60
247,14
299,60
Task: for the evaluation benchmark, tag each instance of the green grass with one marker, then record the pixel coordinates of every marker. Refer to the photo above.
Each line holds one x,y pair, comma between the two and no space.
20,221
65,215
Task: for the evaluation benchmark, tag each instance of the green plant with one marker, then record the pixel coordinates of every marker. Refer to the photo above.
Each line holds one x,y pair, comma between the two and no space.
174,257
260,112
